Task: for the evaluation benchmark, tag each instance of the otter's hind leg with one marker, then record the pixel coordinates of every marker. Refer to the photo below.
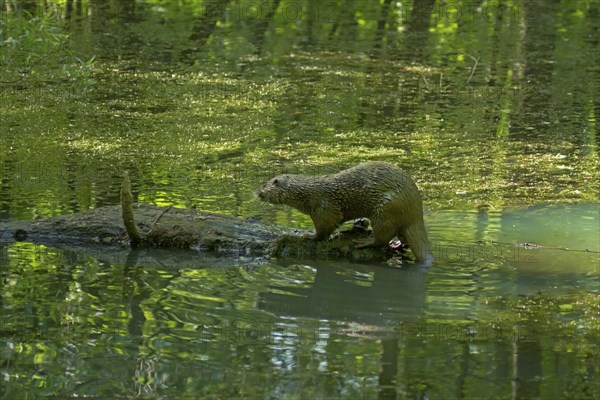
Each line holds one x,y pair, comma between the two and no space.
382,234
416,238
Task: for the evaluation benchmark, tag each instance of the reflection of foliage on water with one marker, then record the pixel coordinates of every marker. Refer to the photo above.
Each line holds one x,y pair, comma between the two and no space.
32,44
30,40
567,326
445,90
575,313
552,342
197,330
485,112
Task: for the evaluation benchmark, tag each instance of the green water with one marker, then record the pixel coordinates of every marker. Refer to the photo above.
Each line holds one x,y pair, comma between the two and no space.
169,324
492,107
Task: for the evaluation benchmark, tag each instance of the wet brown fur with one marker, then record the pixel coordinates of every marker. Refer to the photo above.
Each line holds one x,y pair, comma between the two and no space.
376,190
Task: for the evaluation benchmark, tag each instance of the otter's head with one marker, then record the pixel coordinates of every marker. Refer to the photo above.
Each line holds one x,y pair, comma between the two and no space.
276,191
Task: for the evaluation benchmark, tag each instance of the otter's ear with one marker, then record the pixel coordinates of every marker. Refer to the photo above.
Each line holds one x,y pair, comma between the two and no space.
282,183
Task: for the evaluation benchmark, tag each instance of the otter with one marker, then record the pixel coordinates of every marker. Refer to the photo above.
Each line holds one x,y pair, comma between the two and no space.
379,191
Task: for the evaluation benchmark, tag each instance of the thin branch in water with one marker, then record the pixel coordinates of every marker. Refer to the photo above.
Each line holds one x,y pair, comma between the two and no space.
474,66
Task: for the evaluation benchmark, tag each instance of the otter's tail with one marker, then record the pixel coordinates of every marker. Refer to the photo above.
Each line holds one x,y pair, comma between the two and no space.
416,237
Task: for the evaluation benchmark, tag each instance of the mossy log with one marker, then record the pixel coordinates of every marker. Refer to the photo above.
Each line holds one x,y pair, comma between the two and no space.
204,232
